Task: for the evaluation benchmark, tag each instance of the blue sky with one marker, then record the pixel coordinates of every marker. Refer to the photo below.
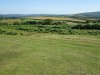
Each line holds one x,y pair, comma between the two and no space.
48,6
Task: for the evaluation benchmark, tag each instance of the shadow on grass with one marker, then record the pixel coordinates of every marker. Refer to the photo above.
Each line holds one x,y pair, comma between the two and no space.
9,55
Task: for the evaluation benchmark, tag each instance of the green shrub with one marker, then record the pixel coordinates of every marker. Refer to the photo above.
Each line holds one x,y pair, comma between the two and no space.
87,26
16,23
11,33
48,21
2,31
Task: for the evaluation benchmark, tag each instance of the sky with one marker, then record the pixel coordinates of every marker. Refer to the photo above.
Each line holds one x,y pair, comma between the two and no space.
48,6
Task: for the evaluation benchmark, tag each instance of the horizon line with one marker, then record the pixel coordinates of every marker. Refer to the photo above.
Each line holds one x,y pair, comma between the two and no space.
45,13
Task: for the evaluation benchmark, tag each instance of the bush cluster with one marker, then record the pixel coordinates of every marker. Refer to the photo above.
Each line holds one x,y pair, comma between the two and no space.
44,22
87,26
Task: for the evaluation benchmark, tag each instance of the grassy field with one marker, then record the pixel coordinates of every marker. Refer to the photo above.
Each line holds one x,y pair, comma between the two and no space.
49,54
10,21
56,18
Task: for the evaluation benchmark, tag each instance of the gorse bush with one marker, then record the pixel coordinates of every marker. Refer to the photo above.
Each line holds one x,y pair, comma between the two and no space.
87,26
11,33
2,31
31,27
43,22
48,21
7,32
29,23
16,23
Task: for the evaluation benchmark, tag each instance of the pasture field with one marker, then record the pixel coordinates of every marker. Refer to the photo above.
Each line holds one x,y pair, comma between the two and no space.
49,54
57,18
54,18
10,21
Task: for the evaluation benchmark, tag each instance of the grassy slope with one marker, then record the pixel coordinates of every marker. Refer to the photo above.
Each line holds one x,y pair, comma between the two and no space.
49,54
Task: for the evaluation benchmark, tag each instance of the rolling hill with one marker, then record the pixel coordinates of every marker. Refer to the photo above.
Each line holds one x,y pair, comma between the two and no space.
88,15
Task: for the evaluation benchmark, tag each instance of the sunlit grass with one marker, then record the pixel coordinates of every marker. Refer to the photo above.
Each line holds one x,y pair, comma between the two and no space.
49,54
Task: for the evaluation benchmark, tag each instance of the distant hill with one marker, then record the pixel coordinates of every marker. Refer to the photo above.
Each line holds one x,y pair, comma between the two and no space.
25,15
80,15
16,15
88,15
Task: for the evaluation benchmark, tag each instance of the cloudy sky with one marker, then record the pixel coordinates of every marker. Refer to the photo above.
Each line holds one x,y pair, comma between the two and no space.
48,6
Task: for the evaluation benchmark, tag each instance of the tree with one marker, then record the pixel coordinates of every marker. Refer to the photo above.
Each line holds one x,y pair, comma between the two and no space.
87,21
16,23
48,21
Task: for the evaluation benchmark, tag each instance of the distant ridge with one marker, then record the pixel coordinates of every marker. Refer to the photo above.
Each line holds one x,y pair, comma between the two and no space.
26,15
88,14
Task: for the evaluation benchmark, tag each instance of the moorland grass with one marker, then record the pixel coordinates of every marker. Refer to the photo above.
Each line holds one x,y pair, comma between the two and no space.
49,54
